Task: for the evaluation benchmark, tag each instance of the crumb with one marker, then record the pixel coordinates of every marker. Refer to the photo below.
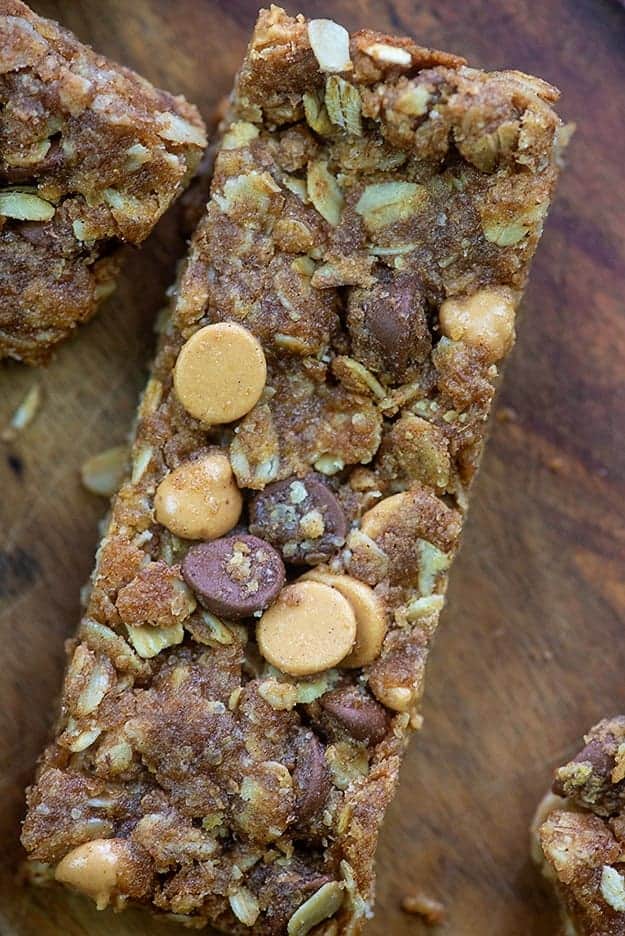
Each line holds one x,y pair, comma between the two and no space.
506,414
432,911
24,414
556,465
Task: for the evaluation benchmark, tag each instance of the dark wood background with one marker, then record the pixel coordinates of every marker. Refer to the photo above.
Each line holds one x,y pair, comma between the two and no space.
531,650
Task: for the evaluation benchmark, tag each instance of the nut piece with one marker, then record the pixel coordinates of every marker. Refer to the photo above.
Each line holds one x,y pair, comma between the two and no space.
94,868
330,44
310,628
235,576
371,622
484,320
220,373
199,499
323,904
302,518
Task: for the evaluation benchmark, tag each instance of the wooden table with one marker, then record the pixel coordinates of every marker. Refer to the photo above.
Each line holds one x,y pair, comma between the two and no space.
531,650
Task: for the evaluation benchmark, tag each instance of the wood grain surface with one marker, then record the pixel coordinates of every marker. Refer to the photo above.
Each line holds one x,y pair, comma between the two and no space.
531,649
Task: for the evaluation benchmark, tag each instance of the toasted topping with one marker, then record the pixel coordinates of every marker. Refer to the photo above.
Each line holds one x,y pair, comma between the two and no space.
484,320
330,44
310,628
301,518
371,621
235,576
200,498
323,904
220,373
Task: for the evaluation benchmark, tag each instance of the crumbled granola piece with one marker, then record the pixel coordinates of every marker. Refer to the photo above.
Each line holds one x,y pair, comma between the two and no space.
92,156
578,834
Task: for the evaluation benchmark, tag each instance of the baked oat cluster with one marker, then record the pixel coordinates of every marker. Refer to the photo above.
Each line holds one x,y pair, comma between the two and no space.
579,834
91,156
251,659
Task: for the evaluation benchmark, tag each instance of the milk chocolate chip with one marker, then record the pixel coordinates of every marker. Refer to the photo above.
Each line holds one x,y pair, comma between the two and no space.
388,324
311,777
301,518
361,716
234,576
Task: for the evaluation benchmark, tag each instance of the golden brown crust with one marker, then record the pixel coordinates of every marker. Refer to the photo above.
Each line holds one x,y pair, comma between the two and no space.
342,213
92,155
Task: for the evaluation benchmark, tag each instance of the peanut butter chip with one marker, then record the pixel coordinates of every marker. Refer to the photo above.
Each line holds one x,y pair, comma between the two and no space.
220,373
199,499
310,628
370,615
92,869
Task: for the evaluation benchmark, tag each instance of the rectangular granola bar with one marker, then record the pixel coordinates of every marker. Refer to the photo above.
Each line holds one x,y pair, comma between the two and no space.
578,835
251,660
91,155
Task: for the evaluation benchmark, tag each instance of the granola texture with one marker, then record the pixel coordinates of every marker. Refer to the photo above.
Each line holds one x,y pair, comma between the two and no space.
91,156
579,834
365,245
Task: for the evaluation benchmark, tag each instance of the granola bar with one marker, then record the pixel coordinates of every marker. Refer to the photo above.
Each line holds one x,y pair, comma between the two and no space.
91,155
251,660
579,834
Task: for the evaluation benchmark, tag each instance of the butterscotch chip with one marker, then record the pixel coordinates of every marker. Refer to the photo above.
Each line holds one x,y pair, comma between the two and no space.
371,621
484,320
199,499
310,628
220,373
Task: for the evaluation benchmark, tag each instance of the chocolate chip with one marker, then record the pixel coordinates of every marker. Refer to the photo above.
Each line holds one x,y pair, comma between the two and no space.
311,777
234,576
388,324
301,518
361,716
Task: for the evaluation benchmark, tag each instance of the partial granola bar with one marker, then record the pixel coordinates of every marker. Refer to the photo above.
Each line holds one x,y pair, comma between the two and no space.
251,660
91,155
579,834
